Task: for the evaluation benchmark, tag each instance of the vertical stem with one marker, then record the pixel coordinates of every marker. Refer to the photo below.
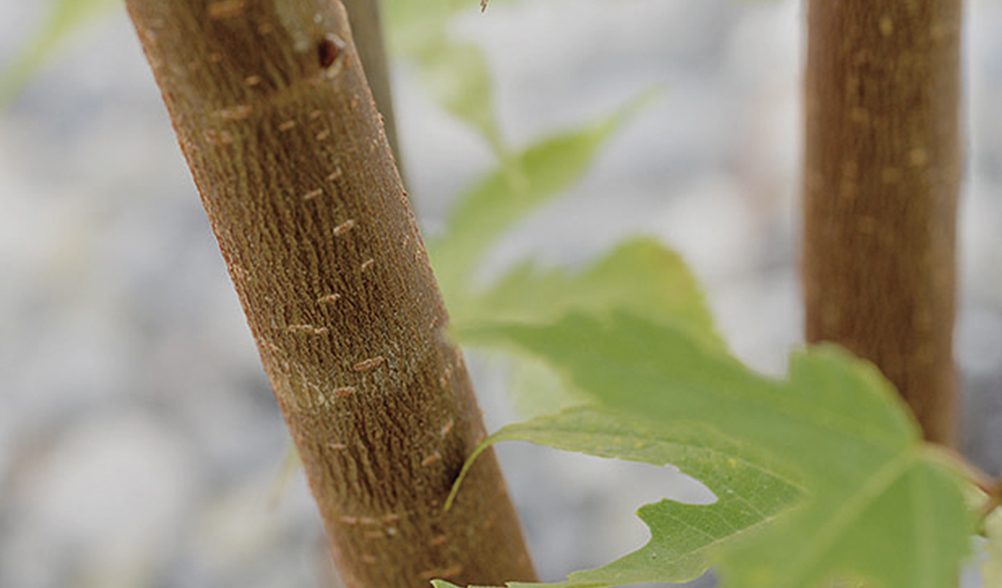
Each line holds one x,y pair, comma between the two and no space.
279,128
367,28
882,168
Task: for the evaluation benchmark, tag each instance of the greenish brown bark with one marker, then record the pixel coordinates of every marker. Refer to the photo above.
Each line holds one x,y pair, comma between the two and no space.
285,144
882,170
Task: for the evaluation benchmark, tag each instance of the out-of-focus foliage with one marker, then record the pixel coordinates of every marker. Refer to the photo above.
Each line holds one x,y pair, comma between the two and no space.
63,19
453,71
820,478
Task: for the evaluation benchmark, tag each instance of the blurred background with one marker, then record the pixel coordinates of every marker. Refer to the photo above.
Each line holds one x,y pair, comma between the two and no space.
140,444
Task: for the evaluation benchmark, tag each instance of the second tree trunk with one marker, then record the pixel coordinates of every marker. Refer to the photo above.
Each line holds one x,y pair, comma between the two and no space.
882,170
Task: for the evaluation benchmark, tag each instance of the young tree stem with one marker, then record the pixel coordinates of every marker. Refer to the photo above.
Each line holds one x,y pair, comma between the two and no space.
881,183
367,30
279,128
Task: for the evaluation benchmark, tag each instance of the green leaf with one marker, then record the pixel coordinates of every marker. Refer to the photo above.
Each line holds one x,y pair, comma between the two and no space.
536,389
64,18
411,23
457,76
406,18
494,204
640,276
455,73
882,507
683,536
991,569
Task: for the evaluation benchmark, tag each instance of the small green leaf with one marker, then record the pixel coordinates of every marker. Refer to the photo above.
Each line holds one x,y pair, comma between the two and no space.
640,276
509,194
457,76
410,23
406,17
455,73
882,508
64,18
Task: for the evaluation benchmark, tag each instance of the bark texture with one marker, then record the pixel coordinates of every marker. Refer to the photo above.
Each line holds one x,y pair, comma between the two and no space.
367,30
881,185
273,114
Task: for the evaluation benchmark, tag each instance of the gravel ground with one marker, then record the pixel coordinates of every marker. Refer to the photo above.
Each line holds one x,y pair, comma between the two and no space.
139,440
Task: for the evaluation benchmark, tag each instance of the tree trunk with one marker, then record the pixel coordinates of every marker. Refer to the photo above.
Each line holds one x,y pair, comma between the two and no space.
285,144
882,169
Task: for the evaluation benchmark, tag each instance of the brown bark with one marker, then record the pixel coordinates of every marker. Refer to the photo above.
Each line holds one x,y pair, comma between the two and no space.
882,168
285,144
367,30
